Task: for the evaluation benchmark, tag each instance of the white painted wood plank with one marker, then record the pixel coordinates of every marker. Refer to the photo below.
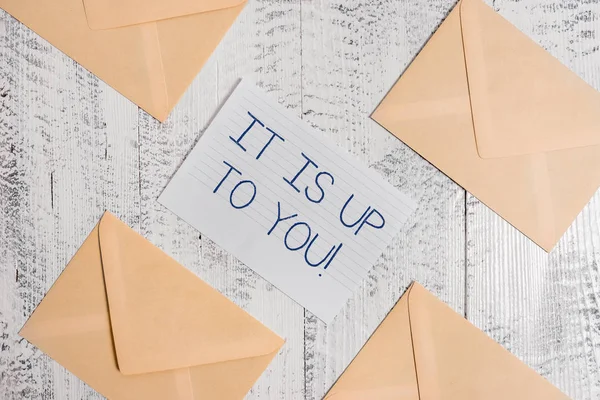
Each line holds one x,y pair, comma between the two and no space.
67,152
264,46
544,308
353,51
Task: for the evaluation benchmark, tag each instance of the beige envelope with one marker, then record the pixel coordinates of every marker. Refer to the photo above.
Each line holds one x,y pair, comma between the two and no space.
133,324
423,350
148,50
503,118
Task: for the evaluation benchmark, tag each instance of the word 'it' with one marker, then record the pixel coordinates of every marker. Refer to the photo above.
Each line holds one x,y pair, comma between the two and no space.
270,137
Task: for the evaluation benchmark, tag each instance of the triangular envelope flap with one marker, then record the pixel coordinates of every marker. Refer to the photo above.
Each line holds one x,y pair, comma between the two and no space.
106,14
384,369
186,44
457,361
128,59
164,317
523,99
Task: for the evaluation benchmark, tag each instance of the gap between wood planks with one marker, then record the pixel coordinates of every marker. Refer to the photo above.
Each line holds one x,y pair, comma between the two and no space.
466,256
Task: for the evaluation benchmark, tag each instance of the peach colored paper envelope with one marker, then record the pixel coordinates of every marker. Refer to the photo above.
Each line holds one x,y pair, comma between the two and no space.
502,118
423,350
134,324
148,50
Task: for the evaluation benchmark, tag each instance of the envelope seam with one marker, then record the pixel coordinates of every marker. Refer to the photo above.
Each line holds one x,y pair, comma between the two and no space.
162,68
110,323
189,374
412,340
117,26
462,39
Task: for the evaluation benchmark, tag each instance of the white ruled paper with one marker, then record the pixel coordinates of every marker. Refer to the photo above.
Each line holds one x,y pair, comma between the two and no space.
286,202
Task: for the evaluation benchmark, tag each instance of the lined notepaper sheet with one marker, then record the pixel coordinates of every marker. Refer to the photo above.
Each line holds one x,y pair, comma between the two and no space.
285,201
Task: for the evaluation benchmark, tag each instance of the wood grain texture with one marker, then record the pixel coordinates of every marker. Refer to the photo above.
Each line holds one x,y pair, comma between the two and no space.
543,307
71,147
67,152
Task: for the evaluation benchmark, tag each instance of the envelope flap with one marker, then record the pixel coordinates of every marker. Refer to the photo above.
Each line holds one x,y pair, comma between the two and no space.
106,14
163,316
455,360
384,369
523,99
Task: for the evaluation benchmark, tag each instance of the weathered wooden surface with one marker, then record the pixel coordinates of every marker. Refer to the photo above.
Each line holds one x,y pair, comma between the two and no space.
71,147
